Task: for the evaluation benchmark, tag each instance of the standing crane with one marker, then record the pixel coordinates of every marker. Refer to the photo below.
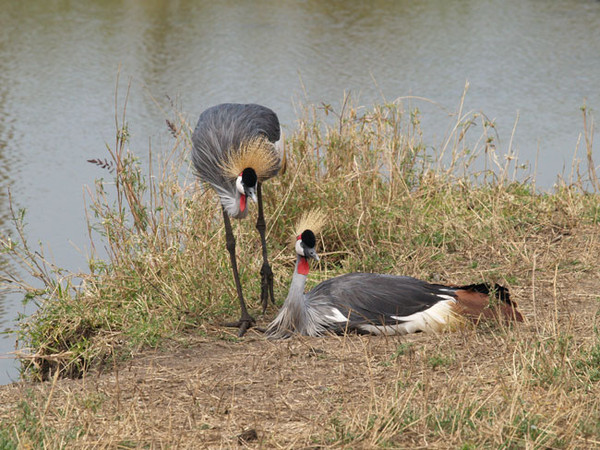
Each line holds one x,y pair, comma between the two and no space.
235,149
370,303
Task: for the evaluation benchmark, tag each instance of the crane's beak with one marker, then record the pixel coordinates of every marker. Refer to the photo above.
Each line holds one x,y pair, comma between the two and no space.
251,192
311,253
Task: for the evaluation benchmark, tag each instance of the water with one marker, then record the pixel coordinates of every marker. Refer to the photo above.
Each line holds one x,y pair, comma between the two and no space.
59,62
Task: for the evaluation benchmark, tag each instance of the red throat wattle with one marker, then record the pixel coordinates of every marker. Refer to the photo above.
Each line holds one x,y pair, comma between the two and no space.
242,202
303,266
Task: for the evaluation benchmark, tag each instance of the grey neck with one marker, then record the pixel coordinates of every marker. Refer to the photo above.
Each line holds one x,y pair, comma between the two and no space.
293,315
296,293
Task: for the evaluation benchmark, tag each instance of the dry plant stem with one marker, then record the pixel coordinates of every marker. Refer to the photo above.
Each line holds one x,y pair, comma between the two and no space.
533,291
510,154
588,133
34,260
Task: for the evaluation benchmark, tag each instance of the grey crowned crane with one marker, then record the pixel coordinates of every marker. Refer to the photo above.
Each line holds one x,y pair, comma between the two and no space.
369,303
235,149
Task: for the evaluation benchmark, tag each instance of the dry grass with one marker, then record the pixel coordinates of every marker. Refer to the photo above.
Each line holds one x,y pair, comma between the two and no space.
487,388
157,371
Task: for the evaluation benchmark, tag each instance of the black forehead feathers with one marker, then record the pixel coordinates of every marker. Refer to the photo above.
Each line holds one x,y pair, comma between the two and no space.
249,177
308,238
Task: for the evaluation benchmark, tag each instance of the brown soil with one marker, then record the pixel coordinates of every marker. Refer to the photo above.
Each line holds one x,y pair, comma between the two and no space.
215,393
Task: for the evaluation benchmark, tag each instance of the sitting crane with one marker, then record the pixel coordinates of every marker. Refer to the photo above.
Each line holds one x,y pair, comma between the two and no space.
370,303
235,149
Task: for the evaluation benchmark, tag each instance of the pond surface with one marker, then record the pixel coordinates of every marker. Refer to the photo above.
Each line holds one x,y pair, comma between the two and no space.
532,59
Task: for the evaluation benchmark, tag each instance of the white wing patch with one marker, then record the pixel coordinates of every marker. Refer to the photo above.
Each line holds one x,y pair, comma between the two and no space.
337,316
434,319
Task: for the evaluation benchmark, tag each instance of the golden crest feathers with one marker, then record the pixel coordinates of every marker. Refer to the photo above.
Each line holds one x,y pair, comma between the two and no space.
256,153
313,220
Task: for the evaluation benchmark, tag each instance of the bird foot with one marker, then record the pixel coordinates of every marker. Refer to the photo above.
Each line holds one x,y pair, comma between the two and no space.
266,286
244,324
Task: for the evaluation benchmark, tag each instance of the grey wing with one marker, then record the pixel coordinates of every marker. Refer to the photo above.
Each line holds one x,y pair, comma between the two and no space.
221,129
258,120
366,298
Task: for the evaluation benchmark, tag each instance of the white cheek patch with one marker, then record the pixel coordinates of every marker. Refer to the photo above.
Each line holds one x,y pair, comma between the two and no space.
239,186
299,248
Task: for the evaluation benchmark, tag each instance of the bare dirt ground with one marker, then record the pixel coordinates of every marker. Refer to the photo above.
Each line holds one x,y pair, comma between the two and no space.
218,392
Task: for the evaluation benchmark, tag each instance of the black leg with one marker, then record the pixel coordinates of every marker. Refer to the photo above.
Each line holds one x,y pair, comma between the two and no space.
246,321
266,284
